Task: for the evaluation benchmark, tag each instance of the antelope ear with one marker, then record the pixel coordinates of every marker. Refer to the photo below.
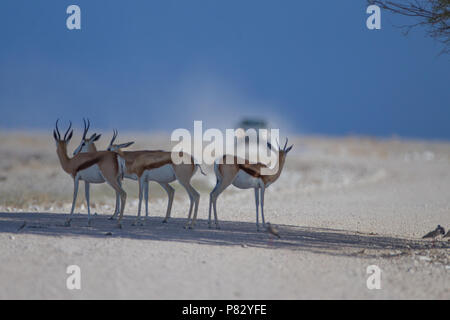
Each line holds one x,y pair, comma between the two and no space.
54,136
289,149
97,137
70,136
120,153
125,145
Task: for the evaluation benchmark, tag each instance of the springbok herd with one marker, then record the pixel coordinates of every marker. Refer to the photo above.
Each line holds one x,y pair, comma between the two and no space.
112,165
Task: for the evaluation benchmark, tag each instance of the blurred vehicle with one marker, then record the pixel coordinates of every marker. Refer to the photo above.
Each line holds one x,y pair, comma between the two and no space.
252,123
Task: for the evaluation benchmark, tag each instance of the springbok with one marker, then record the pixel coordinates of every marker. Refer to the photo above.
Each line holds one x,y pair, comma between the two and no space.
244,176
88,145
157,165
109,164
92,174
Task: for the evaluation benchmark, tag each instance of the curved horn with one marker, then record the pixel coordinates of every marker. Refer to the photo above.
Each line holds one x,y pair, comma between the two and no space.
86,127
70,127
57,130
285,145
115,133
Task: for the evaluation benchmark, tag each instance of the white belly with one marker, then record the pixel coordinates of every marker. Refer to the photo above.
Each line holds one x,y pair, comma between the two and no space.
245,181
161,174
131,176
92,175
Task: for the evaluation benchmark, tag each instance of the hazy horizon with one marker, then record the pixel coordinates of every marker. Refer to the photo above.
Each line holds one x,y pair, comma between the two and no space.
307,68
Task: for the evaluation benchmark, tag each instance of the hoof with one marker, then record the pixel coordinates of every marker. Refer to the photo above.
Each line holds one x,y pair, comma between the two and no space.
112,218
67,223
164,221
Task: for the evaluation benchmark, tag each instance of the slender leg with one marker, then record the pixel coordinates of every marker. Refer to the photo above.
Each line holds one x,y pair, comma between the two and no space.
146,201
117,209
123,200
227,176
191,206
193,197
141,191
170,192
86,194
263,189
220,187
216,221
183,174
211,202
209,212
75,194
114,179
118,198
197,200
257,206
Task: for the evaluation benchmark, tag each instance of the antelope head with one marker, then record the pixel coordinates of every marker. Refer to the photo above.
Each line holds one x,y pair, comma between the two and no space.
282,152
61,144
87,144
117,147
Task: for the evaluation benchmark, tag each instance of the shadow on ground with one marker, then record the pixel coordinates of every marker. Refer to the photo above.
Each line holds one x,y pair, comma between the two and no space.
334,242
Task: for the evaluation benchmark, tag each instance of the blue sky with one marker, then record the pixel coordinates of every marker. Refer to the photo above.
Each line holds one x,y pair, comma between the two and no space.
306,66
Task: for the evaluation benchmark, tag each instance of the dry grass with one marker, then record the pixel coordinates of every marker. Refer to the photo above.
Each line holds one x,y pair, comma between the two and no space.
30,174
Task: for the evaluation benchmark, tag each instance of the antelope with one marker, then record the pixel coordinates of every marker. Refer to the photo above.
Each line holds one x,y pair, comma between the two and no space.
244,176
157,165
87,145
92,174
107,162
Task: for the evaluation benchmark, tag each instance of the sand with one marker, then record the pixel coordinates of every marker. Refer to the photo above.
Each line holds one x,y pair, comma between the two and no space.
340,205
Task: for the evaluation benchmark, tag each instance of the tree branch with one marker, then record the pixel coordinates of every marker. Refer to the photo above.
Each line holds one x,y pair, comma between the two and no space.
432,14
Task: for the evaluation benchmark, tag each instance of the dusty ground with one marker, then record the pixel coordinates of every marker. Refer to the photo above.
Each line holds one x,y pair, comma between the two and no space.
340,205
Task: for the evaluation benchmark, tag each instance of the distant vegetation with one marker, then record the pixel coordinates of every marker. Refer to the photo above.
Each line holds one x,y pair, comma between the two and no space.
434,15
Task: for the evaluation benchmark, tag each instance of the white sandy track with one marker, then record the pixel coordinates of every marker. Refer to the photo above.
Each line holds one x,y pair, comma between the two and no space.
340,205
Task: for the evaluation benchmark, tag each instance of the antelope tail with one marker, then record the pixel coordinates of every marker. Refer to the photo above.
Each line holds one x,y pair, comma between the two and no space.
201,170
